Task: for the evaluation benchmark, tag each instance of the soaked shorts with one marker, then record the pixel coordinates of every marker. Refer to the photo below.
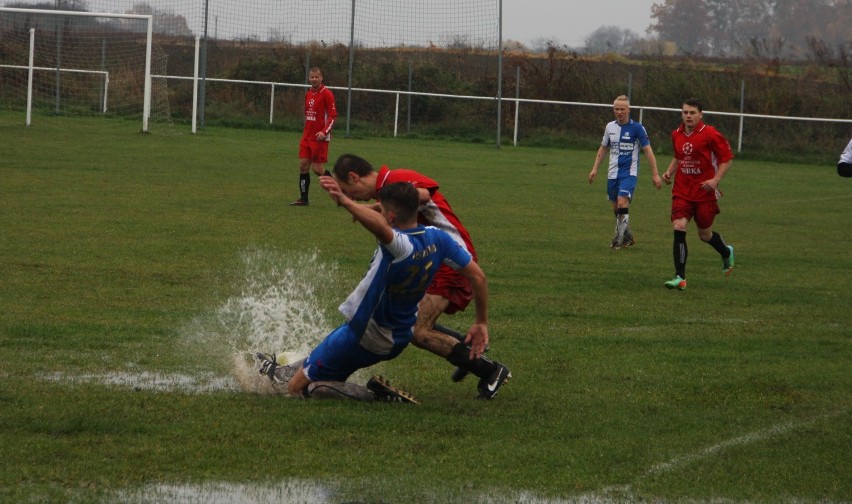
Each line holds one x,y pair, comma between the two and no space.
340,354
317,152
704,212
452,286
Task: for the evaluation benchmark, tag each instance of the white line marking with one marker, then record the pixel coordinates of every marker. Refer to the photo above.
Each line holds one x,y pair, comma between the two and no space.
750,438
625,492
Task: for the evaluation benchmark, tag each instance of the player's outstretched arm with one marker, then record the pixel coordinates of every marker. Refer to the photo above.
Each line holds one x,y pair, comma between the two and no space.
373,221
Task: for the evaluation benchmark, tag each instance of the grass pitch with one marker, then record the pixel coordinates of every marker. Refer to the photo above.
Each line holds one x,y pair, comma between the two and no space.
135,267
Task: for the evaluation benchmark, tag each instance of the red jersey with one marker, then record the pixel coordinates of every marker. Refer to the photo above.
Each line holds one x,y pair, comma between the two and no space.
437,212
698,155
320,113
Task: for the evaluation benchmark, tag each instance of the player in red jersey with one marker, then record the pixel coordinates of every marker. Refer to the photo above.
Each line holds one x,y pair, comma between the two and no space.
320,113
702,157
449,291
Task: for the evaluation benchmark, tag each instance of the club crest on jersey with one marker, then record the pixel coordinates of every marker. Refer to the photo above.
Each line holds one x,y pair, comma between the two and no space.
687,148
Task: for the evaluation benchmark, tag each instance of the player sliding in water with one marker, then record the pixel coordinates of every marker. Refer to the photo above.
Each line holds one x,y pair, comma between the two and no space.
382,310
449,291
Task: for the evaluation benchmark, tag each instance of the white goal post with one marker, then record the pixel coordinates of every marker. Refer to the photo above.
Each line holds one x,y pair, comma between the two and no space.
146,102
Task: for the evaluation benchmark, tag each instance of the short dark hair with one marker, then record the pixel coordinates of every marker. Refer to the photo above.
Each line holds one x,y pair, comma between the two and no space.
694,102
402,198
351,163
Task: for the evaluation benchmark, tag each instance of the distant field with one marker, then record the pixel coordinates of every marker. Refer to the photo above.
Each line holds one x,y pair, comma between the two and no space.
138,270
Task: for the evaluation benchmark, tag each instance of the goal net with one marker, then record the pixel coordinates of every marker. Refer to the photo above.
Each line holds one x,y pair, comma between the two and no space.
80,63
422,46
388,24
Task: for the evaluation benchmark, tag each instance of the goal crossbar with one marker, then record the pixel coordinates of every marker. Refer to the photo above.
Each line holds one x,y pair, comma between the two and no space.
146,106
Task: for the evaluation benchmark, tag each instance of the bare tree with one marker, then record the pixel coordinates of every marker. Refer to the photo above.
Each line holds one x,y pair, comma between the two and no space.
165,22
823,54
764,28
735,22
610,39
684,22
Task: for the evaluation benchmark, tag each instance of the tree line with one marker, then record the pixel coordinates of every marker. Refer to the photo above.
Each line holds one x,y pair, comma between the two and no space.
778,29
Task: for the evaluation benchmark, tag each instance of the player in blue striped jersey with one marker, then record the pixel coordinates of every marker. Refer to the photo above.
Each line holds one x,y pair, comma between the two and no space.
382,310
624,138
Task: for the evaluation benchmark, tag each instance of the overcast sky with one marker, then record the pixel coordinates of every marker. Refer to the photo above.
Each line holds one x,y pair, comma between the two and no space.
571,21
568,22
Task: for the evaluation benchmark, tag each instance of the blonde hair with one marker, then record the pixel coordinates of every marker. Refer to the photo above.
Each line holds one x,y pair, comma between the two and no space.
623,98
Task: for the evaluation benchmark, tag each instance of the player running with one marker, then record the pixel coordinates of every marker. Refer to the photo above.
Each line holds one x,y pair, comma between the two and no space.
702,157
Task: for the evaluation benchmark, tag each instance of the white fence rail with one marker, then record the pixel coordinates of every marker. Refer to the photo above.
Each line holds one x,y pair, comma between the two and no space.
518,102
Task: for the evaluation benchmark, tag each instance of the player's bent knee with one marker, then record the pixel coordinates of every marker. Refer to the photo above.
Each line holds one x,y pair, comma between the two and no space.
420,343
420,337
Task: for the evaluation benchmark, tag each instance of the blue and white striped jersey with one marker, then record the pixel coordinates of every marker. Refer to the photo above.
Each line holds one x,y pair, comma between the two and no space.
624,142
383,308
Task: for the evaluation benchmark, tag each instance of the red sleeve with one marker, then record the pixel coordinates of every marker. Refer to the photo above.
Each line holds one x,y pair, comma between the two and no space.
416,179
330,111
721,148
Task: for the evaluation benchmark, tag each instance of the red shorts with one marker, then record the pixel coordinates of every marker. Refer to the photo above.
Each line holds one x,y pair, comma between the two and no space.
317,152
452,286
704,212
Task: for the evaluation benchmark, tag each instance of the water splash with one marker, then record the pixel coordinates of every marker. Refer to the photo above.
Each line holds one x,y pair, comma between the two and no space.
280,307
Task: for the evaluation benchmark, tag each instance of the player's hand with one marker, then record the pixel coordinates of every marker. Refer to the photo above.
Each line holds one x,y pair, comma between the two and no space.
658,183
667,177
477,338
710,185
320,136
592,175
333,189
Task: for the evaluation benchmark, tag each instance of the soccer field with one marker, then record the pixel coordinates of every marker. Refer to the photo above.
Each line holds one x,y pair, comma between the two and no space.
138,270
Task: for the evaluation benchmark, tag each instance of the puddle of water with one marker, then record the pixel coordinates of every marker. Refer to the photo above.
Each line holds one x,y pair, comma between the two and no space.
278,308
305,492
290,492
296,491
158,382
